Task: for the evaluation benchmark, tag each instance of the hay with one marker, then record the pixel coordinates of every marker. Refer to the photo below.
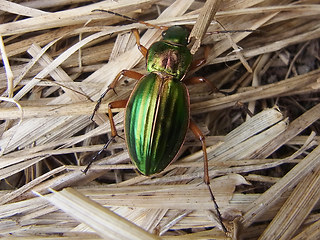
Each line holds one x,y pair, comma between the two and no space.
58,57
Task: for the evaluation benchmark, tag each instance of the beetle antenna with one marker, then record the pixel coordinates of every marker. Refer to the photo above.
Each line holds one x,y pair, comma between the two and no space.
131,19
232,31
117,14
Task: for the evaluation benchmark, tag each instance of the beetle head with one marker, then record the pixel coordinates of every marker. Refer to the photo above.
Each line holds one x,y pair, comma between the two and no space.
176,34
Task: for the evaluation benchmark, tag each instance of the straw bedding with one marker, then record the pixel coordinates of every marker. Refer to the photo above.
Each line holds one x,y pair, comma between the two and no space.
59,56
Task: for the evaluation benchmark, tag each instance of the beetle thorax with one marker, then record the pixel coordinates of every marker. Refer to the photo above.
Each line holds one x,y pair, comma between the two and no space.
169,59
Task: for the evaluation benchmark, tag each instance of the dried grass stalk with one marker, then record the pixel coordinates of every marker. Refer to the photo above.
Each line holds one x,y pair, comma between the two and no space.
105,223
296,209
200,28
272,195
61,57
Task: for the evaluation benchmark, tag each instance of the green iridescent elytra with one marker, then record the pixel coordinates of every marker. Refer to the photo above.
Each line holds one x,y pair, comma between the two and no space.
158,110
156,122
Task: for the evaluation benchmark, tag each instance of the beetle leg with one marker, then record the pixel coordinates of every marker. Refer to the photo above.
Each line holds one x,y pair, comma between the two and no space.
196,80
97,154
127,73
115,104
141,48
214,89
199,62
197,132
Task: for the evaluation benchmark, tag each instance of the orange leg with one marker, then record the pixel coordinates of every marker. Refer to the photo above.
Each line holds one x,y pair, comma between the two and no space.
127,73
141,48
112,105
197,132
214,89
199,62
115,104
196,80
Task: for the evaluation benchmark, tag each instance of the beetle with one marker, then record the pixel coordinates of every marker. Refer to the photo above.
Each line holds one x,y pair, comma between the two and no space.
157,113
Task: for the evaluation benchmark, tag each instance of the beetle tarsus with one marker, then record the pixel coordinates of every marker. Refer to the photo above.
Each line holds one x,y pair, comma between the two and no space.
217,209
99,102
97,154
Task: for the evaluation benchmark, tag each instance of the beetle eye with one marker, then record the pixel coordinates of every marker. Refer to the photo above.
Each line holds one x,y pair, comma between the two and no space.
164,33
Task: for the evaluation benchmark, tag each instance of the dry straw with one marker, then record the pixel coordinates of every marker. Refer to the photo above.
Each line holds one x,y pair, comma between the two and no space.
58,57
